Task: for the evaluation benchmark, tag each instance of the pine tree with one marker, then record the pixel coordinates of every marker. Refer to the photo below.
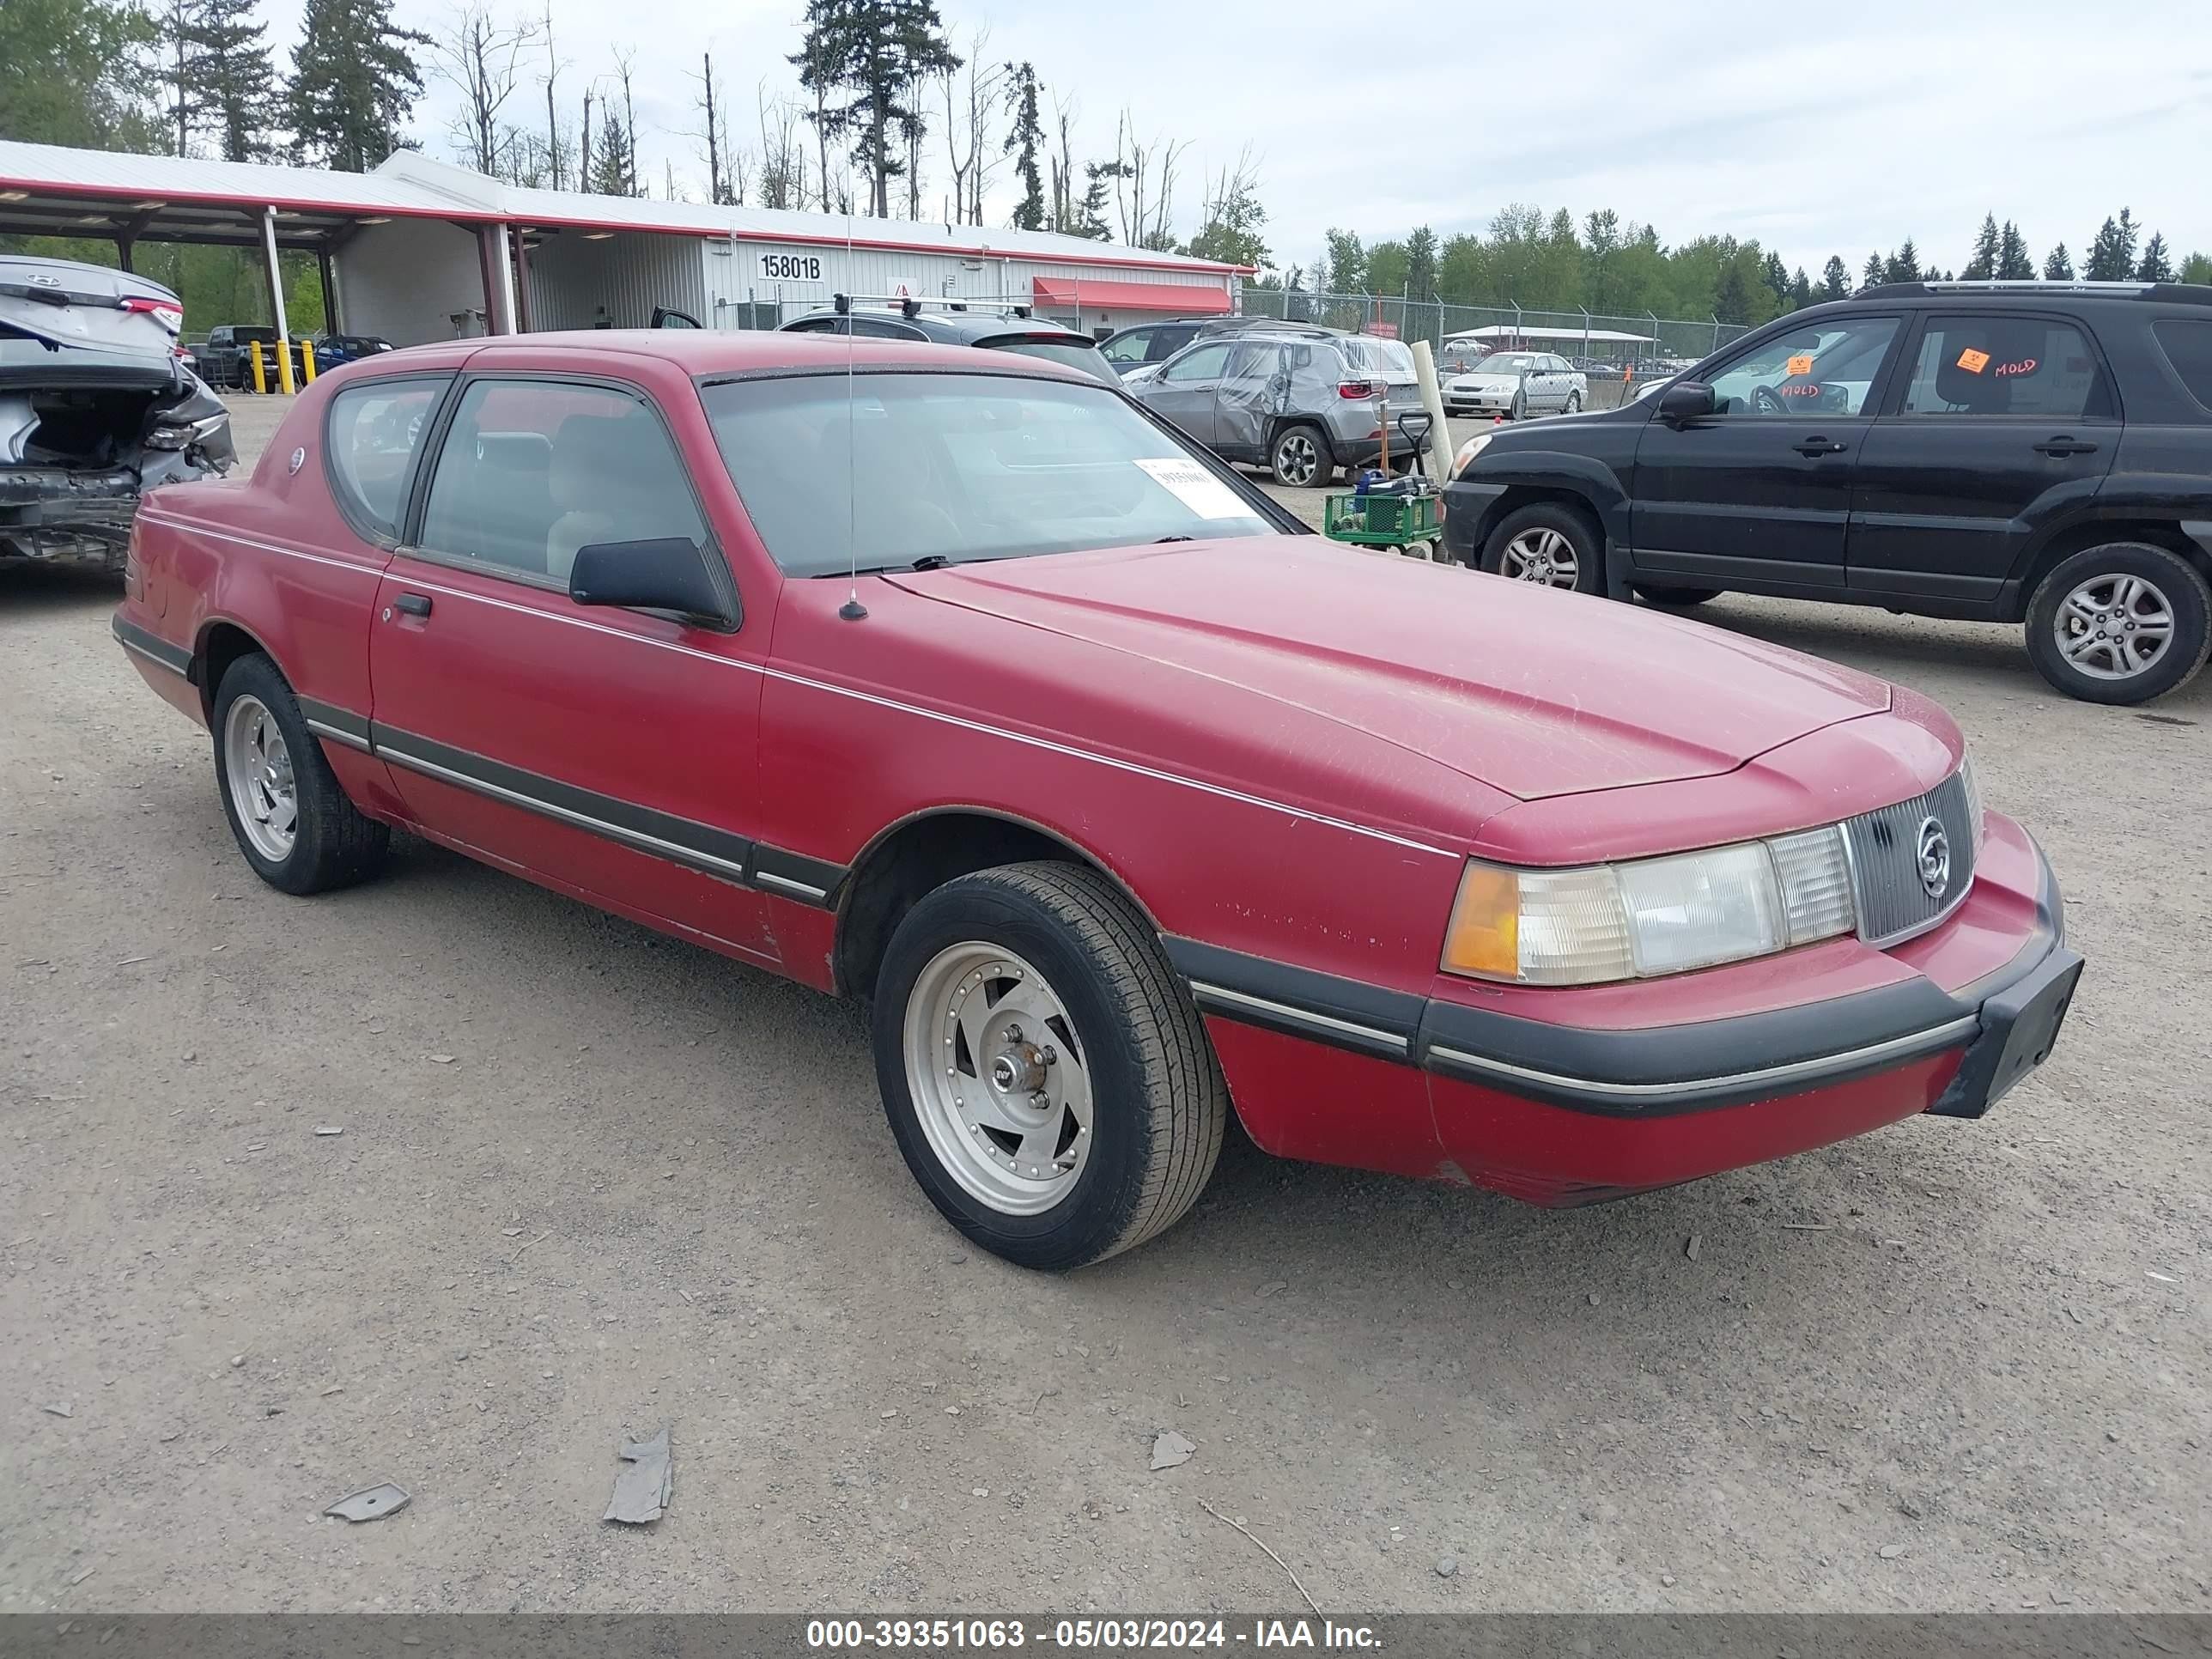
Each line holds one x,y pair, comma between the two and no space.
2059,266
354,80
1025,139
1776,277
1800,290
1904,265
1835,279
1421,263
1732,301
2014,263
1987,248
2157,264
237,79
77,72
2112,255
1875,271
2196,268
614,164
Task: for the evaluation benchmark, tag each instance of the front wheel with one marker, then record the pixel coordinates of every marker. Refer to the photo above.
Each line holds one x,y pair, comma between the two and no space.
1300,459
1519,411
1548,543
2121,622
1044,1071
1574,403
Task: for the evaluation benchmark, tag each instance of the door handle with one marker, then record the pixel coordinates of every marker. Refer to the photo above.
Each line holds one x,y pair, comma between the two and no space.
2066,447
1821,447
413,605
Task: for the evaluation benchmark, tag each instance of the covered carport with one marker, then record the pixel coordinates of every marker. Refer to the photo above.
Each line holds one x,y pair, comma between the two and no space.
450,260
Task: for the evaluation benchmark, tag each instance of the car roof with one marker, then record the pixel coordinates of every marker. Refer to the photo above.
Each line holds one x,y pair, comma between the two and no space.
954,325
714,354
2041,296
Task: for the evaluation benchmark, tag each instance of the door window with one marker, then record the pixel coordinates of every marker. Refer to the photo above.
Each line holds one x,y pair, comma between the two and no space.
2000,365
1253,364
1824,370
876,328
368,439
531,471
1204,363
1127,347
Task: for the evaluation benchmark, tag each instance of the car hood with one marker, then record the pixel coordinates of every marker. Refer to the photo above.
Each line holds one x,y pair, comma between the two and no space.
1534,692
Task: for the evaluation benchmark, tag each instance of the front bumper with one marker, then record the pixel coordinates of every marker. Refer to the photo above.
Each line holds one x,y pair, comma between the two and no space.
1562,1114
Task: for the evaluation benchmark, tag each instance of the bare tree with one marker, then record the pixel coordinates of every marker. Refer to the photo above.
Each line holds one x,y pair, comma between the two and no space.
967,126
716,137
480,56
556,140
782,152
1143,185
1061,163
584,146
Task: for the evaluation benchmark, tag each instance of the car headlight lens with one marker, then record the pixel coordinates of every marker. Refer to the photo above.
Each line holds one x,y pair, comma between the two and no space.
1650,916
1468,451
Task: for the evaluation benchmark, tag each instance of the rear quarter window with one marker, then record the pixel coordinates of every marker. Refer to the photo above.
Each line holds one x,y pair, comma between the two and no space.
370,436
2187,343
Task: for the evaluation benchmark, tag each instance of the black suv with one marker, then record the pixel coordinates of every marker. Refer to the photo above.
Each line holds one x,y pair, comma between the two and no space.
987,325
2038,452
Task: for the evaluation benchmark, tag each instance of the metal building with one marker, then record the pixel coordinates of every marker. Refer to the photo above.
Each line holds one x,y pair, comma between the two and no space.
418,250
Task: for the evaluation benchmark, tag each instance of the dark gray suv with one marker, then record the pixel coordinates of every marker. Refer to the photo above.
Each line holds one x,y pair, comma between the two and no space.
954,322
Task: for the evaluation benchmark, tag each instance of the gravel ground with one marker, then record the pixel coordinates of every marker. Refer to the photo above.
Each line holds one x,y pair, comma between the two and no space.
592,1181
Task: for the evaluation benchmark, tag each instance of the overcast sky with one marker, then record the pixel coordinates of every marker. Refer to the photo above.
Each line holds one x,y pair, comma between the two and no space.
1814,130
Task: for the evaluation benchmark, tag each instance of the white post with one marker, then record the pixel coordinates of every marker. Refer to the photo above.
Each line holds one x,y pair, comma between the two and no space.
277,297
506,314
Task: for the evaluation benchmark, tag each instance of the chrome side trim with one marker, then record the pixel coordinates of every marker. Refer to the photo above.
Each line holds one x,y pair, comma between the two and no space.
1238,1000
144,655
797,888
637,838
351,739
1931,1041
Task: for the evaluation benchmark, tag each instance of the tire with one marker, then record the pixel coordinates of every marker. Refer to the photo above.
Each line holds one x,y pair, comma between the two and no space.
1655,595
1574,403
1519,411
330,842
2089,617
1301,458
1548,543
1156,1100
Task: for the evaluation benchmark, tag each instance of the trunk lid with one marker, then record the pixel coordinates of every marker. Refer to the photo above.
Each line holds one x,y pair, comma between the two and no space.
1534,692
72,305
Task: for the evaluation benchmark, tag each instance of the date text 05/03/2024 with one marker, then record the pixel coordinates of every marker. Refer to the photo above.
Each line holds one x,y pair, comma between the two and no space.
1109,1635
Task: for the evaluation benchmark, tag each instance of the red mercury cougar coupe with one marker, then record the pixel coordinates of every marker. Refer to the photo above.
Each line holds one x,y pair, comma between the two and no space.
958,681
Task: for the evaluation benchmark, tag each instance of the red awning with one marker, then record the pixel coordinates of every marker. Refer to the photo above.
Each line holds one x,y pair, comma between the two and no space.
1181,299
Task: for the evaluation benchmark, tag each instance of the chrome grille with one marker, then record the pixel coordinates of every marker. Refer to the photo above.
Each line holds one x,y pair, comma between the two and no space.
1886,848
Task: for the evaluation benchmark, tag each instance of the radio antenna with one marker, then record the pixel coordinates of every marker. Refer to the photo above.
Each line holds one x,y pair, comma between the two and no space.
852,609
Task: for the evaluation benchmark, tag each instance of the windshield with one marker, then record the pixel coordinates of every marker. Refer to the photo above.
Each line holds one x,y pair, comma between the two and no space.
958,467
1058,348
1506,362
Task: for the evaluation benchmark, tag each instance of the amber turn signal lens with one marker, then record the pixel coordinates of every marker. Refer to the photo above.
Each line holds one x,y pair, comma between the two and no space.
1485,935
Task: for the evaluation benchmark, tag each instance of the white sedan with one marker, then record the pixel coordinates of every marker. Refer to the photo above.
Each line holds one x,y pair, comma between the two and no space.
1517,383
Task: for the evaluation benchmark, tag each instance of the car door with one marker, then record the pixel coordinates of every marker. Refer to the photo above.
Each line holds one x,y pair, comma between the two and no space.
1184,389
1758,494
1251,392
606,750
2004,423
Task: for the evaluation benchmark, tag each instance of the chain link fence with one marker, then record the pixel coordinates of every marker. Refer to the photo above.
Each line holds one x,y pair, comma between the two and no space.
1599,338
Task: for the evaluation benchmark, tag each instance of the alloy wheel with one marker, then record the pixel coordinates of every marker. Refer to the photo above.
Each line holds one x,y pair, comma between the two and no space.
1298,458
2114,627
999,1078
259,766
1540,554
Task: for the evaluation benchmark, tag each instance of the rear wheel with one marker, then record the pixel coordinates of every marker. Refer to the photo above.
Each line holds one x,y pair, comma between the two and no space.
2121,622
1574,403
1549,545
291,818
1300,457
1044,1071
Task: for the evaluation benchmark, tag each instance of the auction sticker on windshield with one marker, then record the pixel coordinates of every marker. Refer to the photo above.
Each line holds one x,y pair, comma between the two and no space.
1195,488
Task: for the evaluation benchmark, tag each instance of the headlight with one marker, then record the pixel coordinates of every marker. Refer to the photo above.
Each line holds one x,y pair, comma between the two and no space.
1468,451
1650,916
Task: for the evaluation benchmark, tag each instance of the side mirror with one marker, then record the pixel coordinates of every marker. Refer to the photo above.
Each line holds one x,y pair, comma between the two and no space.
1685,400
663,574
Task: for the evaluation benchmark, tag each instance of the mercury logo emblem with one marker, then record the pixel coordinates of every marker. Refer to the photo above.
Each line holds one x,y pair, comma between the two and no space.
1934,854
298,459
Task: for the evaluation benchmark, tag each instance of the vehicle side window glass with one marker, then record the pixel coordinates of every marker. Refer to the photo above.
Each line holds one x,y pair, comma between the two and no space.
2006,366
1167,342
1127,347
2187,343
875,328
1206,363
1826,370
818,325
532,471
1253,363
370,436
